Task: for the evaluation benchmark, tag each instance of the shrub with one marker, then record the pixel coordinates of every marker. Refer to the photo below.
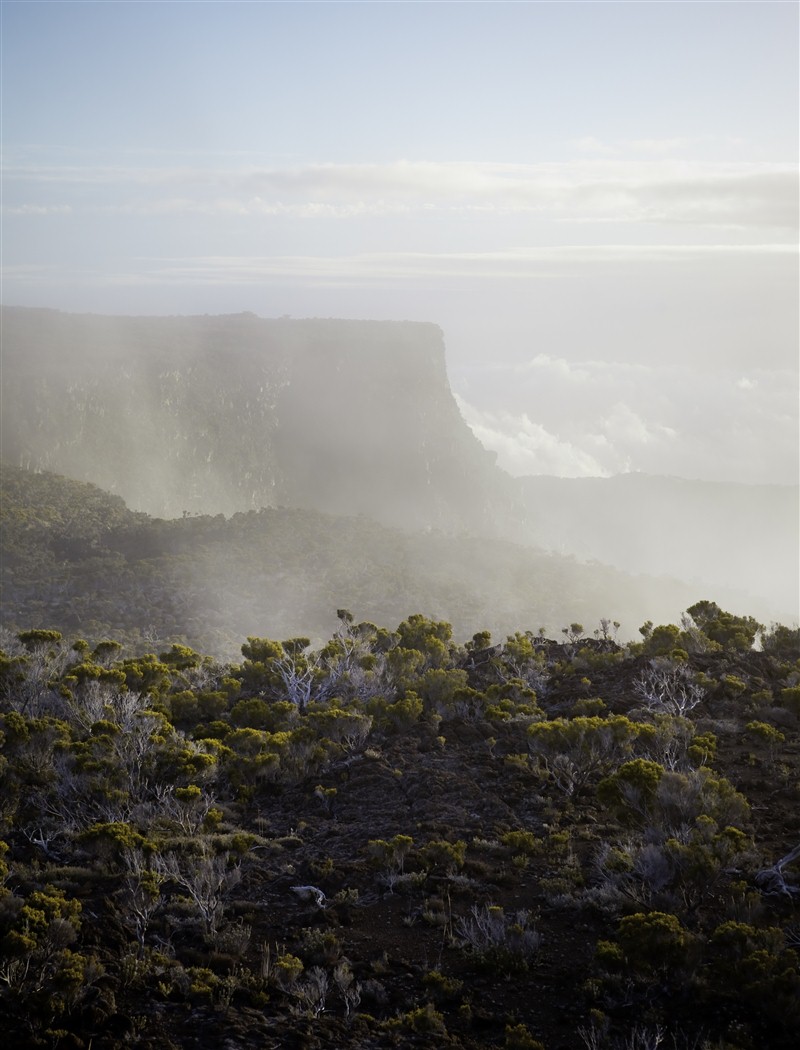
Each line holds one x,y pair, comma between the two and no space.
765,734
653,942
113,840
524,842
703,748
519,1038
729,631
669,685
575,750
442,988
589,705
790,698
499,941
645,794
321,947
286,971
392,854
399,715
756,964
425,1020
631,791
447,857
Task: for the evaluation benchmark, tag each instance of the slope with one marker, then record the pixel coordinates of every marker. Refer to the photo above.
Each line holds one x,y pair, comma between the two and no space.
211,581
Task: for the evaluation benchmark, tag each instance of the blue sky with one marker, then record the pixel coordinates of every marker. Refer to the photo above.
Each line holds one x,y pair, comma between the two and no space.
378,82
596,195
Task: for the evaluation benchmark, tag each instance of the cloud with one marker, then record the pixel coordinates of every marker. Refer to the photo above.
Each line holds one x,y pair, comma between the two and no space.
625,427
525,447
369,268
558,367
600,418
658,147
763,199
738,195
39,209
652,147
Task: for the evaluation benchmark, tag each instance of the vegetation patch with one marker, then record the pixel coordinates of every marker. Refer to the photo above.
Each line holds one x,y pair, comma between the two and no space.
394,839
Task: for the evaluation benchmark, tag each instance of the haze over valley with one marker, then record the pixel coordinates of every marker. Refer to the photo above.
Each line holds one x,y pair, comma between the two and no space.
503,271
220,416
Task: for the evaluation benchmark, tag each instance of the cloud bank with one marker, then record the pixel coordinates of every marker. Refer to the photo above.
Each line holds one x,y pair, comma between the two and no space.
549,416
723,194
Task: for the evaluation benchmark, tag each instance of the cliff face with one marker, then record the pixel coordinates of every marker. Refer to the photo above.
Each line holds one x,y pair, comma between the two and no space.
222,414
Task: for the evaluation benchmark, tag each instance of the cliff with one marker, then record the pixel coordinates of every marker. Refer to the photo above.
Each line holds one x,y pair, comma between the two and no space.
223,414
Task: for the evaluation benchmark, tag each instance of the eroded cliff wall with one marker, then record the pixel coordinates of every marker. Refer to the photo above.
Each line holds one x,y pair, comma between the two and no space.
220,414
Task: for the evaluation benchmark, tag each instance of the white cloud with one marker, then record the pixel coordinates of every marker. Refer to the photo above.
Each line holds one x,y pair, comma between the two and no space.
609,190
656,419
662,147
39,209
557,366
658,147
624,426
525,447
368,268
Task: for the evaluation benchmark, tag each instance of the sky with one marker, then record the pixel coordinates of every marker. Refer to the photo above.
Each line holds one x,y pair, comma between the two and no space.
597,202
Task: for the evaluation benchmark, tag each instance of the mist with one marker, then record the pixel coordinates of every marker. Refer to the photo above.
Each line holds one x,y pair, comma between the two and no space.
203,419
422,264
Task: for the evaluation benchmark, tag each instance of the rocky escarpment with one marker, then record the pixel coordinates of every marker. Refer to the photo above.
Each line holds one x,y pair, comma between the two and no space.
224,414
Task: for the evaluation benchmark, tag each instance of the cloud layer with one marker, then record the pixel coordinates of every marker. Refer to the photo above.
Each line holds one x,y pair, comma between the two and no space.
596,419
732,195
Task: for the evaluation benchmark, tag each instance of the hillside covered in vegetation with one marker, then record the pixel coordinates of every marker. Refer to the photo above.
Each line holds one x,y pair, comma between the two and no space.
76,559
395,840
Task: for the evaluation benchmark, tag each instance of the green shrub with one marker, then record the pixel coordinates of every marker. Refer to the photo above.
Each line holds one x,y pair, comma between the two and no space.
524,842
519,1038
790,698
425,1020
654,942
632,790
447,857
441,988
756,965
